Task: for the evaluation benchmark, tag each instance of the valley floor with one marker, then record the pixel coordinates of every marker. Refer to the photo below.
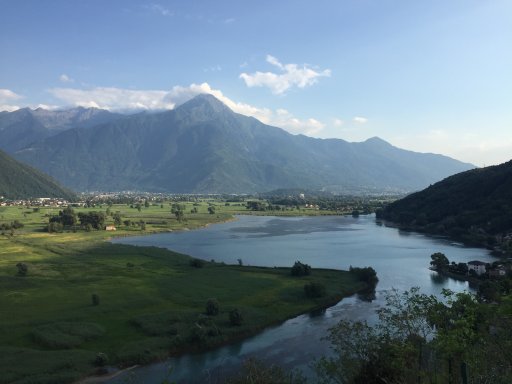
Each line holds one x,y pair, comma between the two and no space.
85,302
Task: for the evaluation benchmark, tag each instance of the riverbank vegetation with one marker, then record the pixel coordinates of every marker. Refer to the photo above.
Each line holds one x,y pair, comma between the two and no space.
424,339
71,302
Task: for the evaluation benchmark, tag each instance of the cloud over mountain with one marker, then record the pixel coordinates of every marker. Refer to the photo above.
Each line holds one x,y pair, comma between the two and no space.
292,75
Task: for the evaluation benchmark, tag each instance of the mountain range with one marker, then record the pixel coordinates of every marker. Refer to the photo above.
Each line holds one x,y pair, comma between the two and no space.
19,181
204,147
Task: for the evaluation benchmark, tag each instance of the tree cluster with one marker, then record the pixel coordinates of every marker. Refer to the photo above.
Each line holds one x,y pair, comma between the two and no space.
423,339
300,269
92,219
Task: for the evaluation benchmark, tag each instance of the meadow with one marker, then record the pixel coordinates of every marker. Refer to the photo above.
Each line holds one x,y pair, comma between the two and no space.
85,303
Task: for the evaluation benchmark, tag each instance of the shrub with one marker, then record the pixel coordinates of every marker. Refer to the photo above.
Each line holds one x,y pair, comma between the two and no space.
95,299
197,263
212,307
300,269
22,269
101,359
314,290
54,226
367,274
235,317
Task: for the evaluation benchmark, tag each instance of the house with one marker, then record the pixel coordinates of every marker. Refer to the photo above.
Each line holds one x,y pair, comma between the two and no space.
477,266
110,228
498,272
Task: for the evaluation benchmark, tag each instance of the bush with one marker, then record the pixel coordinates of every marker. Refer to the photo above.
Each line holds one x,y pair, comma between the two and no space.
197,263
367,274
314,290
212,307
95,299
54,226
235,317
22,269
101,359
300,269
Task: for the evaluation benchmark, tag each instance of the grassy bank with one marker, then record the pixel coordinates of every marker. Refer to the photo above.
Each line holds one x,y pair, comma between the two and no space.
152,302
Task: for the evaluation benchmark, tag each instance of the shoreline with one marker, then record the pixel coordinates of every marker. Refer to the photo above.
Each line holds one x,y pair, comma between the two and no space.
98,379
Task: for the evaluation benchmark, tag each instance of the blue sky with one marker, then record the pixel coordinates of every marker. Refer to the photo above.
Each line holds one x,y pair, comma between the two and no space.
431,76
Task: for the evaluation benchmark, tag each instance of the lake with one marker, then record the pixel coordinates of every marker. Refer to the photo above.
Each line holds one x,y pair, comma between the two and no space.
400,258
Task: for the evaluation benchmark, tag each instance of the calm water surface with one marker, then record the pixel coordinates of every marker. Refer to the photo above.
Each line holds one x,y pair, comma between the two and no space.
401,260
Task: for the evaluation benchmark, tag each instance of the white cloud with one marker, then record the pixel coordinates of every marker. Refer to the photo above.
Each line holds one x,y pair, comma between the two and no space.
119,99
66,79
337,122
112,98
229,20
7,97
160,9
360,120
292,75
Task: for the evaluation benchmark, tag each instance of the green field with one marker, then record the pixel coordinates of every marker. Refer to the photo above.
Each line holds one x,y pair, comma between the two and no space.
151,301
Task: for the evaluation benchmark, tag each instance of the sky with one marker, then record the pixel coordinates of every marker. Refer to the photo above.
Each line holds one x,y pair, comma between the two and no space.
429,76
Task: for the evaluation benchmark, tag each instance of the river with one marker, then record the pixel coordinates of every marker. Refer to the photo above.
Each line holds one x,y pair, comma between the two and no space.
400,258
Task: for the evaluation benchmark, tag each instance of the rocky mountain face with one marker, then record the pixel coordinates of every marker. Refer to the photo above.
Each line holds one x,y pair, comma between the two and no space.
204,147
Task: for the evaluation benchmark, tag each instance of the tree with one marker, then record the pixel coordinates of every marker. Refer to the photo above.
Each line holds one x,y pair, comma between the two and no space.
66,217
439,261
22,269
95,219
211,210
179,215
235,317
300,269
117,219
212,307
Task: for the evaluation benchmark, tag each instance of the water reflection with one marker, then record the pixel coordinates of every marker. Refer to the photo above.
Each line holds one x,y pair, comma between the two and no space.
400,258
438,279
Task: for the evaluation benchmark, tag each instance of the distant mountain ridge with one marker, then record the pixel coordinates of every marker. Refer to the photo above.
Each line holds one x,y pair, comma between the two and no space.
25,126
19,181
204,147
475,205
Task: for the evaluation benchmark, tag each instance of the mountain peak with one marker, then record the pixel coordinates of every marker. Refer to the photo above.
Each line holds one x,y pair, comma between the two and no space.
204,103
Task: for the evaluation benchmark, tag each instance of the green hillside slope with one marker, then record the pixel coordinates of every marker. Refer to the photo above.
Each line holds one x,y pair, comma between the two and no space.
19,181
475,205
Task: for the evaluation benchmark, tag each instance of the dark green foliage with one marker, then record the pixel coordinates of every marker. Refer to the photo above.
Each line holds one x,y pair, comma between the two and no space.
366,274
117,219
211,210
65,335
314,290
19,181
212,307
235,317
439,261
418,338
474,206
196,148
101,359
197,263
300,269
95,219
22,269
54,226
95,298
66,217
